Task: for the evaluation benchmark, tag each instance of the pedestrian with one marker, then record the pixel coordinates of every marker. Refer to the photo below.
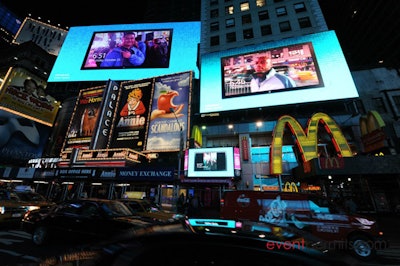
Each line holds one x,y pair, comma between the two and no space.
180,204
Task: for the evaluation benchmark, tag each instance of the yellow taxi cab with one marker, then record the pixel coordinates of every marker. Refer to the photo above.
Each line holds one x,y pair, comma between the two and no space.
146,209
14,203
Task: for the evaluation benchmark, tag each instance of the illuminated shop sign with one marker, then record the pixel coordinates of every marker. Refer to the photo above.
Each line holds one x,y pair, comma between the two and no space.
306,142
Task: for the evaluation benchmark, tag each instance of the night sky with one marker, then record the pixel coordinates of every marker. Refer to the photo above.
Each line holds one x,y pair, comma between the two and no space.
71,13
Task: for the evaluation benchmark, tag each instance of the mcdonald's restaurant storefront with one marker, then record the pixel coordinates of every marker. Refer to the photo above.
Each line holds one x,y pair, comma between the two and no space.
372,182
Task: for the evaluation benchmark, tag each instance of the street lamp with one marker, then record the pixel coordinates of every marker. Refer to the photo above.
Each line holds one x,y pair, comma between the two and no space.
180,147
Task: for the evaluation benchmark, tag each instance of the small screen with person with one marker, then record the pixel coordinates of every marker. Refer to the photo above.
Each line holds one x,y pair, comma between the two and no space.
129,49
280,69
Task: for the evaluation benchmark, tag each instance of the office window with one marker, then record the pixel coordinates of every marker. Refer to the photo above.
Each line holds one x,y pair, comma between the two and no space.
285,26
260,3
266,30
299,7
214,13
379,105
228,10
244,6
230,23
360,107
231,37
214,40
213,2
304,22
214,26
281,11
246,19
248,34
263,15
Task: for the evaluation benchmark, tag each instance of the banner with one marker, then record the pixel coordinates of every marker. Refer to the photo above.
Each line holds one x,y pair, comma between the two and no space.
102,131
170,111
84,119
131,118
24,94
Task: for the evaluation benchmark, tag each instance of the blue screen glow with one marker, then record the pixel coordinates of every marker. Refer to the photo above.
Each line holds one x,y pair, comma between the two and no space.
183,53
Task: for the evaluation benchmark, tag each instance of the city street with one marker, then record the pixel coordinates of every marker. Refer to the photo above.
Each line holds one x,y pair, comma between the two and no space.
16,247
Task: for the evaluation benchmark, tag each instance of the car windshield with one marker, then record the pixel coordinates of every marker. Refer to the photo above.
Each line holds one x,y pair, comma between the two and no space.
148,206
116,209
30,196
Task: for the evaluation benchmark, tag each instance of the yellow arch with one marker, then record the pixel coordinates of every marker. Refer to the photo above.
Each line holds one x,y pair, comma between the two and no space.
372,121
307,142
197,135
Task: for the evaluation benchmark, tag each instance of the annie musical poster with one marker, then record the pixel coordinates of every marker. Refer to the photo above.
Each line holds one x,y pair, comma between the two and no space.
131,119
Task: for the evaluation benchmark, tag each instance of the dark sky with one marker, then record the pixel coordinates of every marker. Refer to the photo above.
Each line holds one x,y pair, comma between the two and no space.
83,13
368,36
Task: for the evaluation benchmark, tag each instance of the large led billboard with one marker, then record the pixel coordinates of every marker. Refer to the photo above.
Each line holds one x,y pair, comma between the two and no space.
303,69
127,52
211,162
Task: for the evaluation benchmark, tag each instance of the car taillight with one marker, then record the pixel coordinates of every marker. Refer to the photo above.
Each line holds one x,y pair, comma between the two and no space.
222,202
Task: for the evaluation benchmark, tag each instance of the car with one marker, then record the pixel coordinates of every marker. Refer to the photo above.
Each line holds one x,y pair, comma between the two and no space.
15,203
198,242
81,219
310,213
33,199
150,211
11,209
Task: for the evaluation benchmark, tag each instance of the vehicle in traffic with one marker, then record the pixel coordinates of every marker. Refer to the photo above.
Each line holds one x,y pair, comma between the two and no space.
81,219
15,203
150,211
309,213
200,242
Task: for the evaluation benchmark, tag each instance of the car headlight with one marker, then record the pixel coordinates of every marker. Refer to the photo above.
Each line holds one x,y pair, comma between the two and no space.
32,208
365,221
2,209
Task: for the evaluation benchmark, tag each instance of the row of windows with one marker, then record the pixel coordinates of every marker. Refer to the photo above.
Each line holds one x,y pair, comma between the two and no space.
280,11
378,102
265,30
246,19
259,3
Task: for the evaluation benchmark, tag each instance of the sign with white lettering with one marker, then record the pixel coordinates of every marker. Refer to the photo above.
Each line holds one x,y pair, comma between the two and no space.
146,174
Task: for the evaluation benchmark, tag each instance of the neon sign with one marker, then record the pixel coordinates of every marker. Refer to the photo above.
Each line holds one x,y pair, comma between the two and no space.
307,142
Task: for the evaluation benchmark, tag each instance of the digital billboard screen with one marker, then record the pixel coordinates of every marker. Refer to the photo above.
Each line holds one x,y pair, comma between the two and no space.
284,68
129,49
100,53
211,162
295,70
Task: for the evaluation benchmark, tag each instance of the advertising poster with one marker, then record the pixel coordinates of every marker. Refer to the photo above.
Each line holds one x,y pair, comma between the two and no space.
25,94
170,112
84,119
132,115
21,139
